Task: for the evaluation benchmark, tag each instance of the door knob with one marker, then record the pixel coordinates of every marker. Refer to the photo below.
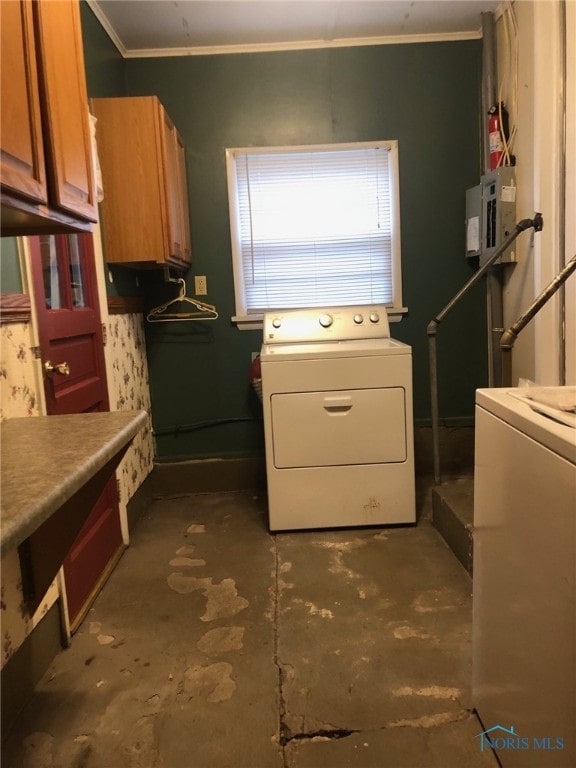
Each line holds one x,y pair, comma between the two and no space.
61,368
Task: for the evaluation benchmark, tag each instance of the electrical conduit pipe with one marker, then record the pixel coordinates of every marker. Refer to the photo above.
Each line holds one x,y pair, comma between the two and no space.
536,223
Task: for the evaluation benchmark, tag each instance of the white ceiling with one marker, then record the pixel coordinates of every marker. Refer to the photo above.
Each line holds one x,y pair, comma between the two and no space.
184,27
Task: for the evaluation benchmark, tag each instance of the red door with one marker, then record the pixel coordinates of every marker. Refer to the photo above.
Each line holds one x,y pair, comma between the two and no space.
71,344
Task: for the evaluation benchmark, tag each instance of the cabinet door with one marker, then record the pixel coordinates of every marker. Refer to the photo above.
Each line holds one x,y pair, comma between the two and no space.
22,158
177,206
128,133
65,106
67,308
184,202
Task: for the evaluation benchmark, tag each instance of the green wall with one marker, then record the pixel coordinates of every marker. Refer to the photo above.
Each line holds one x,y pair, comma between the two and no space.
424,95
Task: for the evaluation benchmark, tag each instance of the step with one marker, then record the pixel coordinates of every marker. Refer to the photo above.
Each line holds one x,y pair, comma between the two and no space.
453,516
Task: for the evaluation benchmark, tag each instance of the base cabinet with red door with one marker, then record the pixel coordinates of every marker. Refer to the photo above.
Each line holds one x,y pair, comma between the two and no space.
71,458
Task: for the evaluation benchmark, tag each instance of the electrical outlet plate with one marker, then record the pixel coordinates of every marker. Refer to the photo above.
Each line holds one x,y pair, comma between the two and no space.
200,286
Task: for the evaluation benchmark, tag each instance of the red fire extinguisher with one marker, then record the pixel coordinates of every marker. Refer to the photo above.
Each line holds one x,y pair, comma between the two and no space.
497,135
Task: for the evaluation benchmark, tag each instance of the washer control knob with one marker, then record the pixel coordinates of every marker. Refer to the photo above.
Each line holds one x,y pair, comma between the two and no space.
358,319
374,317
276,323
325,321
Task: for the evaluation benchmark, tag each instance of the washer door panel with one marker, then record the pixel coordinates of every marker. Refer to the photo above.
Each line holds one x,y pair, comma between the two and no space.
335,428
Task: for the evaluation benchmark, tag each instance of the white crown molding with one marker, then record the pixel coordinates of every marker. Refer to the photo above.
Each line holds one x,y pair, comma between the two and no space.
102,18
302,45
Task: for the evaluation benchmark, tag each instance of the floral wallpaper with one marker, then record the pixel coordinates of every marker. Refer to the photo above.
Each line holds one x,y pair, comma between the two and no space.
18,386
129,389
18,397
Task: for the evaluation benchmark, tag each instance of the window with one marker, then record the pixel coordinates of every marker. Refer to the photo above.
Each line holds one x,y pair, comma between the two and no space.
314,226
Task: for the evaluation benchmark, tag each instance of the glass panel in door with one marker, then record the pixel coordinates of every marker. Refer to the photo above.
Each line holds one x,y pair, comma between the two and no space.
54,295
77,281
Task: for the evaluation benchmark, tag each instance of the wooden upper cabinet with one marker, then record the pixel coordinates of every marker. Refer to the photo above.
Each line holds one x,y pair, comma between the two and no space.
46,170
145,214
22,158
66,108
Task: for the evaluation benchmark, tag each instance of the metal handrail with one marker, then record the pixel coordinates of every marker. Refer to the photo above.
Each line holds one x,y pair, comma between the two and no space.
536,223
510,335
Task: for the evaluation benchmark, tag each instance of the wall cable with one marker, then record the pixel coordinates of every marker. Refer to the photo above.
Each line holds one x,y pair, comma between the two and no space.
509,81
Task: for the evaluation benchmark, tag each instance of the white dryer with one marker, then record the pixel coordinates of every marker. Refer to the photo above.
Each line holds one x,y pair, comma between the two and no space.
337,398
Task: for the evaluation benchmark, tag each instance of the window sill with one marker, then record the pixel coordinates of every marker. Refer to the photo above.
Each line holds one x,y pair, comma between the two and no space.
255,322
395,315
248,322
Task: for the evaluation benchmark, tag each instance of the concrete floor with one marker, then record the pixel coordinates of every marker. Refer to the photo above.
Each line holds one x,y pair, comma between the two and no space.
216,645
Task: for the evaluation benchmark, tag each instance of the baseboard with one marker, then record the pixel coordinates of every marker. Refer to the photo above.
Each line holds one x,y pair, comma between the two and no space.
139,502
448,421
23,670
208,476
220,475
456,450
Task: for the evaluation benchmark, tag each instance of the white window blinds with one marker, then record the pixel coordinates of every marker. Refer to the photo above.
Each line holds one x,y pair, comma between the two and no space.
314,227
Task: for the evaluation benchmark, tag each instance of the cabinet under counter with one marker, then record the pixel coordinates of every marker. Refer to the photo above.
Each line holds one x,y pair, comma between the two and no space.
53,468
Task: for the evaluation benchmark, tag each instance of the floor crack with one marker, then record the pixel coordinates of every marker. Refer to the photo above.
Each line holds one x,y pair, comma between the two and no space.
283,730
320,735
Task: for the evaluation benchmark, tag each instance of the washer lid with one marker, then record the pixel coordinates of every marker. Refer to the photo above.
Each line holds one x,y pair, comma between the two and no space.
513,407
323,350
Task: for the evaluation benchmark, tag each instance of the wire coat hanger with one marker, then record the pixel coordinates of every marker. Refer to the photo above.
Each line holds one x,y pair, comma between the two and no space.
203,311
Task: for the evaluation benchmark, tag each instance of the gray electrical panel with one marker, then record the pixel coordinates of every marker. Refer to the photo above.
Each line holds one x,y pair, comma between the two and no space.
498,213
491,215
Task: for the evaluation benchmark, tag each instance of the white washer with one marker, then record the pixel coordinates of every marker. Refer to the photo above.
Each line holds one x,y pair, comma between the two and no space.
337,398
524,583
